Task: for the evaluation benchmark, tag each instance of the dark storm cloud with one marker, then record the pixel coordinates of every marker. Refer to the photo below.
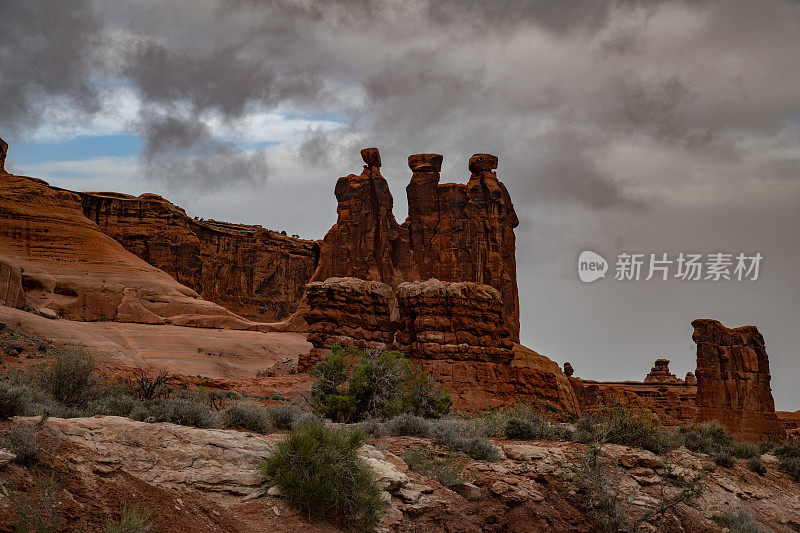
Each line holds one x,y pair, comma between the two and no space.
183,152
48,51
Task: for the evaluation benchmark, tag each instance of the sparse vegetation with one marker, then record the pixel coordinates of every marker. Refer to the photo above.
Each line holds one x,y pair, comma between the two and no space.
380,385
708,438
132,521
755,464
37,511
739,521
249,416
789,457
144,387
448,470
69,376
12,400
724,458
318,471
22,441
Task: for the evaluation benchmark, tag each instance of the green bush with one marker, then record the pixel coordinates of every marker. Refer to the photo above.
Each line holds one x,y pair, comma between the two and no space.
380,385
68,377
791,465
636,428
132,521
790,449
248,416
766,446
755,464
22,442
285,416
12,400
745,450
113,405
446,470
319,473
406,425
176,411
739,521
724,458
708,437
452,435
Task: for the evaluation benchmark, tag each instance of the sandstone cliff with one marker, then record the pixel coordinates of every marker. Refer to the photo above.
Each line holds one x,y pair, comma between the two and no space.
254,272
733,381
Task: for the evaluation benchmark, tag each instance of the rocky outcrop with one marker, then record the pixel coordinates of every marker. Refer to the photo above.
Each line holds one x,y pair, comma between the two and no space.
11,291
71,269
254,272
454,232
453,331
660,373
3,154
733,381
348,311
457,321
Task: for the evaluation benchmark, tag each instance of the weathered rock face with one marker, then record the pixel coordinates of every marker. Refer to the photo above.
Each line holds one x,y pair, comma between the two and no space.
254,272
464,232
660,373
347,311
457,321
454,232
68,266
450,330
733,381
11,292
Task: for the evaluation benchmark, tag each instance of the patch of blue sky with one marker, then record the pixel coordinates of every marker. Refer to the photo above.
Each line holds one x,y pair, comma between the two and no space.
82,147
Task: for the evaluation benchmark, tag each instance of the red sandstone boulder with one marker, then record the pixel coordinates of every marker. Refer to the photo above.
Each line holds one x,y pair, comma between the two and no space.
733,381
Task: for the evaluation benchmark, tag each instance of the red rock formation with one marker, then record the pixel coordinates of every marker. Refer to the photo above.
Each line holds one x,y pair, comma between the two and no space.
347,311
456,321
3,154
660,373
11,292
69,266
454,232
450,330
733,381
254,272
464,232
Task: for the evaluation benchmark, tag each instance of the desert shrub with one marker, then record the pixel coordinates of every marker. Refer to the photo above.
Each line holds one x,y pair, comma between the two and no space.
448,470
176,411
745,450
12,400
406,425
248,416
68,376
145,387
739,521
23,443
37,511
724,458
480,449
380,385
755,464
587,431
112,404
285,416
791,465
318,471
452,435
790,449
708,437
131,521
766,446
636,428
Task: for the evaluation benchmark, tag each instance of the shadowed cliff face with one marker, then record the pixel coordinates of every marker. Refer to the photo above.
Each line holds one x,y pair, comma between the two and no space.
454,232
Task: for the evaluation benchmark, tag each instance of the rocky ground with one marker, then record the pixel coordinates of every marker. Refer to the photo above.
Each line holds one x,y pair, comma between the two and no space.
207,480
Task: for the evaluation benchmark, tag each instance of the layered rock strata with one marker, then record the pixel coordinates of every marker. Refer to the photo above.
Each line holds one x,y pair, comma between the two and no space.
660,373
451,330
254,272
11,291
733,381
454,232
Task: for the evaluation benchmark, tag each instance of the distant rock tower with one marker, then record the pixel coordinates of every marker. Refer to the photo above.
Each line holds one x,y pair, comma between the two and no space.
3,153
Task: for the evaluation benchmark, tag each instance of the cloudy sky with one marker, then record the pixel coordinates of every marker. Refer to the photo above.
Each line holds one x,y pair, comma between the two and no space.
621,126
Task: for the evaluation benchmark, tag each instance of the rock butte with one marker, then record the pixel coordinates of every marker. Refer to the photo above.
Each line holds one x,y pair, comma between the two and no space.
441,286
